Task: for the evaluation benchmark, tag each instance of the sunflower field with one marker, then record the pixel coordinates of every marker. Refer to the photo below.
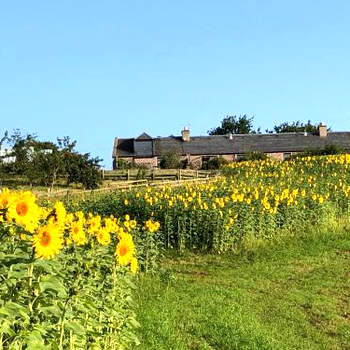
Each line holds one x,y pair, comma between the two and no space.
68,269
66,278
252,200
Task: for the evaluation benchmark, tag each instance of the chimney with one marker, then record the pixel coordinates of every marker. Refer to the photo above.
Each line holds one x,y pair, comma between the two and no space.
322,130
185,134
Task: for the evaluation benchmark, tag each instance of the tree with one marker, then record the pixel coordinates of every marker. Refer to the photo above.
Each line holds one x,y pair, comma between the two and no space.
234,125
80,168
295,127
43,162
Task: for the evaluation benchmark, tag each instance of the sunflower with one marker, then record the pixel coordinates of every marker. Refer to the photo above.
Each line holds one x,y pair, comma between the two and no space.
47,241
125,250
94,224
103,236
60,214
24,211
77,233
5,198
134,265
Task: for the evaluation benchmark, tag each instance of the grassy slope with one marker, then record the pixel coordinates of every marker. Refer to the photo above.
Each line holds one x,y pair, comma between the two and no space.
292,295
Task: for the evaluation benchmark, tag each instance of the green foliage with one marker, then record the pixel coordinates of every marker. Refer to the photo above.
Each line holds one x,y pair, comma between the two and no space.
254,155
327,150
262,199
170,160
80,168
149,250
43,163
141,173
214,163
122,164
234,125
81,299
295,127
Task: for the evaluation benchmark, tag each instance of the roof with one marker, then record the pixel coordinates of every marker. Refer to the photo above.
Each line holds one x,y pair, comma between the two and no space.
223,144
144,136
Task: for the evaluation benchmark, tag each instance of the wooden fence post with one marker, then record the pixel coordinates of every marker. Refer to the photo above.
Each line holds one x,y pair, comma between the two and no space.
128,175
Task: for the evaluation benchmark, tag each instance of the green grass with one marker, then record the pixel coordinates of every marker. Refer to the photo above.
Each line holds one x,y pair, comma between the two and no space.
288,295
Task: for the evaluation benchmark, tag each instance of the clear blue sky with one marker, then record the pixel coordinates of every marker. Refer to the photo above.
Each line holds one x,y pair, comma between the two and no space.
94,70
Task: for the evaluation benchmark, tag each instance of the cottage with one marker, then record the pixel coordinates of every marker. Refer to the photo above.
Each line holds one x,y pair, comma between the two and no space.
147,151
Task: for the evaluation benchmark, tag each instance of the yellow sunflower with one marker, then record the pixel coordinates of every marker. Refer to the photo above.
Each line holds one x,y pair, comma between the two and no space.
77,233
103,236
24,211
47,241
5,198
134,265
60,214
94,224
125,251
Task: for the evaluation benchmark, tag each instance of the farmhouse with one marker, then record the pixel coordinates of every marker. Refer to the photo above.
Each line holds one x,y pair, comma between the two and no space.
195,150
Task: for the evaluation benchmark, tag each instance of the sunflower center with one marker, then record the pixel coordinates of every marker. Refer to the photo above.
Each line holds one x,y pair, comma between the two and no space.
45,239
4,202
22,208
123,250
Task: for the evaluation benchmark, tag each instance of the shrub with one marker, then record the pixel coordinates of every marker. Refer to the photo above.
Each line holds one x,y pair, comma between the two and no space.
254,155
170,160
215,163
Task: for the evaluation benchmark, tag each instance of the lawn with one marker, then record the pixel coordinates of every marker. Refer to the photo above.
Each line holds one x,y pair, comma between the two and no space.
293,294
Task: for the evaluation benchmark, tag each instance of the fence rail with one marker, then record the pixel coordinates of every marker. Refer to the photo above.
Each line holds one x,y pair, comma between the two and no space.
117,186
156,174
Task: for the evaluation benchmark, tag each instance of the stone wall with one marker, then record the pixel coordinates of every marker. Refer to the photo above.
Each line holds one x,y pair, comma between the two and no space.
278,156
147,162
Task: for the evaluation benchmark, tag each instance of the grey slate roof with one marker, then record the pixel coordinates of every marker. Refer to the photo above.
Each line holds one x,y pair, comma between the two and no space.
144,136
222,144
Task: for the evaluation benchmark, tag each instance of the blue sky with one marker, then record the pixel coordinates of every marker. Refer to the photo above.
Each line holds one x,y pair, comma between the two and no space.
94,70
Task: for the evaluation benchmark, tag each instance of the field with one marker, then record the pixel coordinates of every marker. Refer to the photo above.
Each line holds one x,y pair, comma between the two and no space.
290,295
255,259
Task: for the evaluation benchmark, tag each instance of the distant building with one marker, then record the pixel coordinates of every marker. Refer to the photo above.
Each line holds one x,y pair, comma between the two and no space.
145,150
6,156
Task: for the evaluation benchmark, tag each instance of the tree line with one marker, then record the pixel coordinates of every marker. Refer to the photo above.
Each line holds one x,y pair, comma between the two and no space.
47,163
243,124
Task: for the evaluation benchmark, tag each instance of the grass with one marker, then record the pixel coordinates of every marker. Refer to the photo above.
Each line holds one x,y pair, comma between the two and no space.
293,294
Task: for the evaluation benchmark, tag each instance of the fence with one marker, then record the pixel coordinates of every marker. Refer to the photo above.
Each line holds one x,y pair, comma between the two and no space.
156,174
125,185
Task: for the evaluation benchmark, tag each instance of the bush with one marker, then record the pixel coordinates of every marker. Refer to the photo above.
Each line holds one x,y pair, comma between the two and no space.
327,150
254,155
170,160
214,163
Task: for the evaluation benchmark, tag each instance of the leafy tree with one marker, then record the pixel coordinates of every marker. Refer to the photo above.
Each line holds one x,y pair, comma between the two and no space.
295,127
234,125
80,168
45,162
